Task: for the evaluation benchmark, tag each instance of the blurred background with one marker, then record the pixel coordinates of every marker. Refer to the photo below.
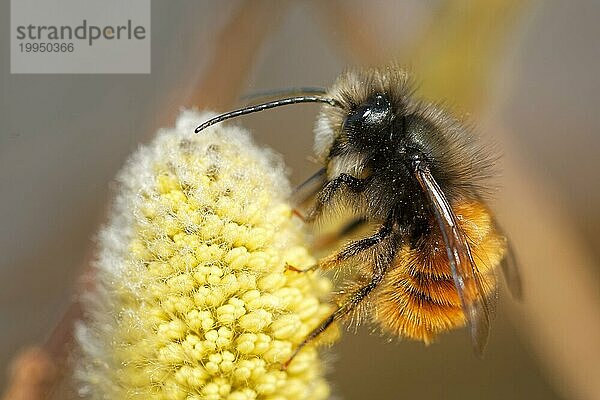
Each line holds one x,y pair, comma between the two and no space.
525,72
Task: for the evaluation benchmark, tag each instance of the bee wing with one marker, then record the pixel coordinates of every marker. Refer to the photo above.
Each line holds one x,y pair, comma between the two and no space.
307,189
464,273
510,270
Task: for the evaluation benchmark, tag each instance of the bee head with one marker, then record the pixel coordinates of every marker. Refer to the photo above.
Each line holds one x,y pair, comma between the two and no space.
368,100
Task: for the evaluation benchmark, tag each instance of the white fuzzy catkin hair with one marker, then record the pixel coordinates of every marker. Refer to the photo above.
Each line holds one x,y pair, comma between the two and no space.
192,299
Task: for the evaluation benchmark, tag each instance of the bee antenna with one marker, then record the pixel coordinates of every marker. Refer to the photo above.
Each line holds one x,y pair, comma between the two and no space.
266,106
288,92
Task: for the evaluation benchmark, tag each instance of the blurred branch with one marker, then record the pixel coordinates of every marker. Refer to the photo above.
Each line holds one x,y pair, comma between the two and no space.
232,55
354,37
237,48
33,373
37,371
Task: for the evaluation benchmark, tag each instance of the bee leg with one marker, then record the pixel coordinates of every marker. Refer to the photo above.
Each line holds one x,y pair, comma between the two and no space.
381,263
355,248
350,250
326,194
328,240
296,269
299,214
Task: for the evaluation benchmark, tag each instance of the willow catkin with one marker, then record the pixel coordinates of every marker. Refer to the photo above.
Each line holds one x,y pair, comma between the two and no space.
192,296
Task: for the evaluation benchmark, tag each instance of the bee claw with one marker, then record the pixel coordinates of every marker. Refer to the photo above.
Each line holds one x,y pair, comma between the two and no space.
289,267
299,214
286,364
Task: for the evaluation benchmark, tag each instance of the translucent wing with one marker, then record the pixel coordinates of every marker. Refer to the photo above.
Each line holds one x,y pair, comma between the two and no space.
510,269
309,187
464,273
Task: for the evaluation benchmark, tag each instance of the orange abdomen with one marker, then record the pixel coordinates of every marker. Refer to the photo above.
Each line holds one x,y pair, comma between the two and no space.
417,298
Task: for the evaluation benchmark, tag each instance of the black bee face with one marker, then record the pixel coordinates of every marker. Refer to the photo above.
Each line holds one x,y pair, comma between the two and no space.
368,123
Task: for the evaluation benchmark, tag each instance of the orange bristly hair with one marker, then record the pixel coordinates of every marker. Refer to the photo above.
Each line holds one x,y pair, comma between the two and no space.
418,299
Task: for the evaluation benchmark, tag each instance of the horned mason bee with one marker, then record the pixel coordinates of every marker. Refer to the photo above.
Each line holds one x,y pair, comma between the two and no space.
419,175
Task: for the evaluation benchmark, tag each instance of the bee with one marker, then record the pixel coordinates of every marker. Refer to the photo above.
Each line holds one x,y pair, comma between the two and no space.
419,175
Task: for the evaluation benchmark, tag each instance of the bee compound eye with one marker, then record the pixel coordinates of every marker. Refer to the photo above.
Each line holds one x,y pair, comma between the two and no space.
373,114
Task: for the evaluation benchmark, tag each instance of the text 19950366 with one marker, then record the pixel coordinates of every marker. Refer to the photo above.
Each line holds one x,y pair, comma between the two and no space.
84,37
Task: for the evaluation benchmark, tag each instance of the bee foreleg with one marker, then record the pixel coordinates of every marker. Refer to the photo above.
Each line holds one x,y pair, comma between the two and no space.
328,240
290,267
326,194
354,248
